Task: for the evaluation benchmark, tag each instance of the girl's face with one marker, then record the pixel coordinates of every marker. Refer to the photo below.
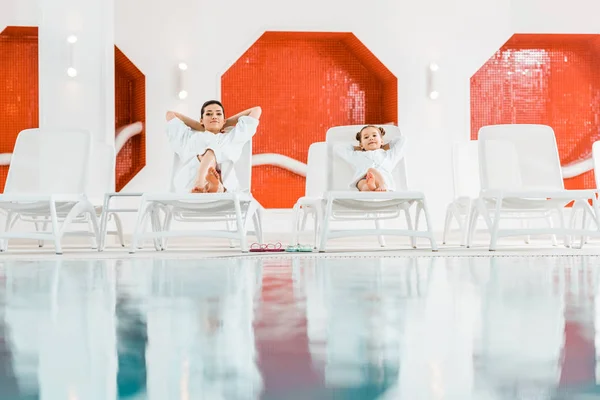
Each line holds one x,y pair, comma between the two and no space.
213,118
370,139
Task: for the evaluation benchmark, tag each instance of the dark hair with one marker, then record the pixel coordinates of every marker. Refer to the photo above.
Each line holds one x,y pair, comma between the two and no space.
381,131
208,103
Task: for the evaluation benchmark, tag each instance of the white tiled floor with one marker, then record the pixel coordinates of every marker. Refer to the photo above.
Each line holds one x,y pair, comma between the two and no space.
353,247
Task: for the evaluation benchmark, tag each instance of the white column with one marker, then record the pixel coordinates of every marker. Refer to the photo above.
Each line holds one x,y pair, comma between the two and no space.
87,100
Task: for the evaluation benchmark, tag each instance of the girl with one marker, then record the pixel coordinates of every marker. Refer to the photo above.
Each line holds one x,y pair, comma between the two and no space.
373,161
203,145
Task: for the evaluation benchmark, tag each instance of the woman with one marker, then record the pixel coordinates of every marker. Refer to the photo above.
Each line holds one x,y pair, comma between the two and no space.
203,145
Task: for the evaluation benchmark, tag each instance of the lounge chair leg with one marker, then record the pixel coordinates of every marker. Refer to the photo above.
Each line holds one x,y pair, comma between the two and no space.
409,225
495,225
164,241
525,224
55,230
240,225
44,227
10,222
303,223
561,218
95,227
295,232
103,223
94,244
464,233
258,226
325,228
139,226
119,226
472,225
447,223
380,238
429,227
317,222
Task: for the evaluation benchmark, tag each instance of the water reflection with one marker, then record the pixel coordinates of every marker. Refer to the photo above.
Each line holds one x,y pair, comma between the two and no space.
300,328
523,324
358,351
201,342
61,325
132,343
11,386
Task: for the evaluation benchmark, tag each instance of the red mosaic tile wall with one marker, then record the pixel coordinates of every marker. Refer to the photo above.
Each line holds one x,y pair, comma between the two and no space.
305,83
19,105
130,107
544,79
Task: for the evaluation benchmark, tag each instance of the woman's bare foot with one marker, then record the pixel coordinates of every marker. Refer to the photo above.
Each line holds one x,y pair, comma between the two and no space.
199,189
371,181
200,184
214,183
381,188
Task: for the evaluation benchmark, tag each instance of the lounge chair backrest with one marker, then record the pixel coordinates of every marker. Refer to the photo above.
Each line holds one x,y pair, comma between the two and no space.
519,157
48,161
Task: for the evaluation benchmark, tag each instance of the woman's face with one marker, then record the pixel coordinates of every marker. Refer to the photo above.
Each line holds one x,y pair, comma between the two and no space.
213,118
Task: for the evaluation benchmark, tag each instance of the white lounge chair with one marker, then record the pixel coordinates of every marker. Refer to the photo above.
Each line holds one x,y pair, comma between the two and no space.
521,176
45,182
465,168
343,204
238,208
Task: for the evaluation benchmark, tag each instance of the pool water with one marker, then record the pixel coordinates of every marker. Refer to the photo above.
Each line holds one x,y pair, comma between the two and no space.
300,328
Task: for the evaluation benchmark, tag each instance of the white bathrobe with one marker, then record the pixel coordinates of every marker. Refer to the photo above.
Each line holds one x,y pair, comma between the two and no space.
188,144
383,161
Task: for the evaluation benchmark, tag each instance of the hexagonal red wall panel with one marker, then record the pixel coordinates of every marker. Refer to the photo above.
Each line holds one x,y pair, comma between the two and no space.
19,106
550,79
130,107
305,82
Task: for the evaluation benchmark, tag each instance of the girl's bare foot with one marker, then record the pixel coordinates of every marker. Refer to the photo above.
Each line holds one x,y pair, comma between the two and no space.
362,186
371,181
214,184
381,188
199,189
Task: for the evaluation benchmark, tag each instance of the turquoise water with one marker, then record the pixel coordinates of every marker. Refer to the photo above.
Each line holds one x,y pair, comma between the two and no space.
300,328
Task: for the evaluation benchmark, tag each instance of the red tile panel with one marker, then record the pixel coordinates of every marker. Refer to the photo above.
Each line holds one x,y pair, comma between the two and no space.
130,107
19,105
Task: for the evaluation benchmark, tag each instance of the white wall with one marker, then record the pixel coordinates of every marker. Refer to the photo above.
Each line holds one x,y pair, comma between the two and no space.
19,13
406,36
555,16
